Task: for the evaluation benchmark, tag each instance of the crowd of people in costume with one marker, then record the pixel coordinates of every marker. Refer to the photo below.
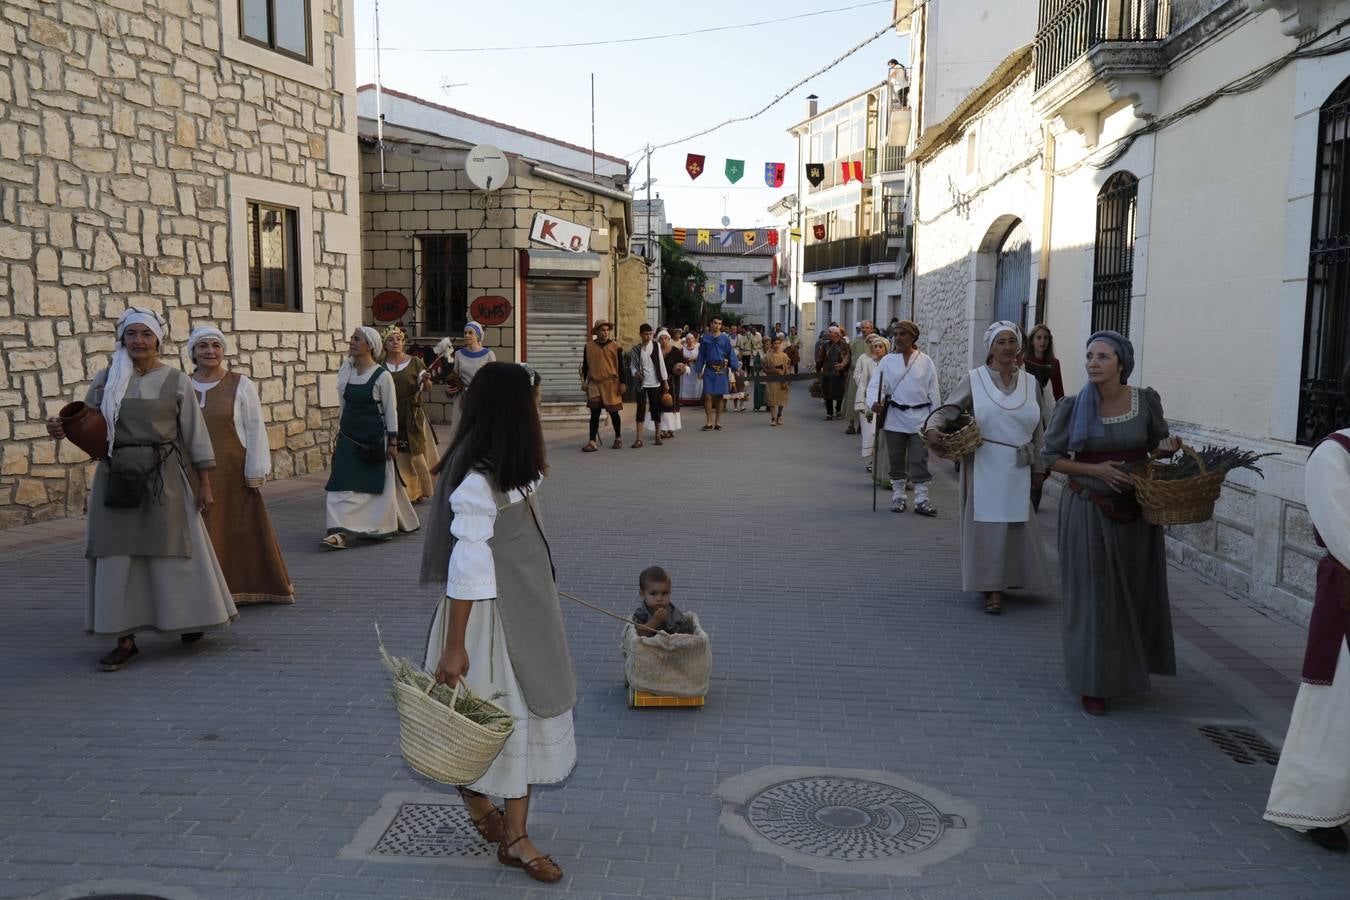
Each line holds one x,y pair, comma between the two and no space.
175,501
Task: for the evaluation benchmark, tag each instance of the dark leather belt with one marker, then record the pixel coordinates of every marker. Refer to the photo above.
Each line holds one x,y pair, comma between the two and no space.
907,406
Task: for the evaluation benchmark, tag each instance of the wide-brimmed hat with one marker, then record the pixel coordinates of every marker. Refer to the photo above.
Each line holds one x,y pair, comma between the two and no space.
601,323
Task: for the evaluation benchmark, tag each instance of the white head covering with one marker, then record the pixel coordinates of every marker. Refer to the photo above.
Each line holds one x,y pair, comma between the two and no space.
476,327
121,368
661,332
372,338
201,333
993,331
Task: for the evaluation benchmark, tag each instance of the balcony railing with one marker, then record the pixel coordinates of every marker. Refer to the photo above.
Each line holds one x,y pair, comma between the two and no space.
893,215
892,158
1068,29
846,253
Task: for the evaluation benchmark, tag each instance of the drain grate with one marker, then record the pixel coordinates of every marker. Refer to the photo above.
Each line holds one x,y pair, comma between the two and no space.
1242,745
432,831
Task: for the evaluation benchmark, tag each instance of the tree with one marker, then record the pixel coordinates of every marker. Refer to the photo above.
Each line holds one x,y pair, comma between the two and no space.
682,282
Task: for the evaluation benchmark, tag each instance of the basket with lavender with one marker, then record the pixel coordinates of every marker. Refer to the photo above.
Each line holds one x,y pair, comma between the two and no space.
1184,490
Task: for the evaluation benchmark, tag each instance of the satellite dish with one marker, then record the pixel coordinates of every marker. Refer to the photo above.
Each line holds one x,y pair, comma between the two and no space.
726,220
487,167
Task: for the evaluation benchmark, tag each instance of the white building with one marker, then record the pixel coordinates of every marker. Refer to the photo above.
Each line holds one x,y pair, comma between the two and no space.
649,224
1173,170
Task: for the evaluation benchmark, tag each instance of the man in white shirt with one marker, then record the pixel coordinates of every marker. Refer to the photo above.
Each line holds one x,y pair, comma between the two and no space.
650,380
904,390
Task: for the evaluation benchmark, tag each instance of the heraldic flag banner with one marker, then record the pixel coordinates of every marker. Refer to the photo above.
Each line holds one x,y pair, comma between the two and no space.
735,169
815,173
773,174
693,164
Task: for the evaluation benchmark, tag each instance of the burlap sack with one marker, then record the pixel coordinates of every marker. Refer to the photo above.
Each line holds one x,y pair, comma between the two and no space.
673,665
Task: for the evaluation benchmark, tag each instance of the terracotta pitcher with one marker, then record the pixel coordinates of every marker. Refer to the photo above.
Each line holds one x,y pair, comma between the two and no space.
86,428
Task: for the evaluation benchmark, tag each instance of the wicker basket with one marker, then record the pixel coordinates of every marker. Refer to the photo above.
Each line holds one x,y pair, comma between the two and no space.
1184,501
964,438
440,743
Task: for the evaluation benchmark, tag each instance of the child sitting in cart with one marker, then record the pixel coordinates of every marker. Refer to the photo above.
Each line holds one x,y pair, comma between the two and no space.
656,613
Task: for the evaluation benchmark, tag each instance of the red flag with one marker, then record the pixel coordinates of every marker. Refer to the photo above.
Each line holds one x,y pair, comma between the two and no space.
693,164
844,167
857,169
818,231
773,238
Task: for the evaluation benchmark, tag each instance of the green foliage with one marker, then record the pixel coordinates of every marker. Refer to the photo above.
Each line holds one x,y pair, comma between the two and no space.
681,304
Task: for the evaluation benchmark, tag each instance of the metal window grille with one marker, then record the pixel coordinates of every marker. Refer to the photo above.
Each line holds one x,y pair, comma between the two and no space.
1113,257
1326,337
444,283
1067,29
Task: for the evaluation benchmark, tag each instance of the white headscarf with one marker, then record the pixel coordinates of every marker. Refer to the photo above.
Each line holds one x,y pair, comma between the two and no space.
201,333
993,331
121,368
372,338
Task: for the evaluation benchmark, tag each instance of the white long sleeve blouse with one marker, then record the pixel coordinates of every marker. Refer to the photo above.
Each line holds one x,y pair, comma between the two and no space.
248,425
472,573
1327,492
383,392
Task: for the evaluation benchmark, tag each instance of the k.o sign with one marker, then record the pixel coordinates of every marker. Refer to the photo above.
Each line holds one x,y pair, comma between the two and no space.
556,232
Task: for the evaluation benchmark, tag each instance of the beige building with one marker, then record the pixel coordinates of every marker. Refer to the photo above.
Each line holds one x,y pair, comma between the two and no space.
548,246
1175,171
196,158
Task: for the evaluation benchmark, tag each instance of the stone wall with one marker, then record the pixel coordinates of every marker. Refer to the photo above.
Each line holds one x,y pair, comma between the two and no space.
719,268
121,124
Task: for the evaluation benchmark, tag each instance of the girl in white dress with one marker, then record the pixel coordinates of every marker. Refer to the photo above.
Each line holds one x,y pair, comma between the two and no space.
498,624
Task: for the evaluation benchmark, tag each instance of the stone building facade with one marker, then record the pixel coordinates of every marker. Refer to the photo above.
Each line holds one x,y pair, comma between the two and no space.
1123,185
418,203
135,138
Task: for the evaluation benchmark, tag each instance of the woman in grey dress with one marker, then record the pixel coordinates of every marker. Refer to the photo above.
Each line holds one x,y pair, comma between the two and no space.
1116,620
151,563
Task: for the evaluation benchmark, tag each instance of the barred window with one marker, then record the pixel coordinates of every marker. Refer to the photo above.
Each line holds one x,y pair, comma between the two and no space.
1113,258
1326,329
443,282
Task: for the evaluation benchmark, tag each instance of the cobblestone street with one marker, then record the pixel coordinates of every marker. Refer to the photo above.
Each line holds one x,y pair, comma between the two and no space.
253,764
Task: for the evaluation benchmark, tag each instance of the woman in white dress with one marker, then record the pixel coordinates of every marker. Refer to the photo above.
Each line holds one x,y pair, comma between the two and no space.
691,383
675,365
498,624
465,361
365,497
877,348
1001,547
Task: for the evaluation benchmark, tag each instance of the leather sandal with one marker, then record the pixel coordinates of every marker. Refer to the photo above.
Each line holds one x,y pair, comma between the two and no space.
491,825
591,447
119,657
541,868
638,443
335,542
993,606
617,445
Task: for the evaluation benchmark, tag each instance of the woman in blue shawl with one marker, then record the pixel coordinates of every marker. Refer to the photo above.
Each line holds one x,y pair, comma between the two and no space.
1116,618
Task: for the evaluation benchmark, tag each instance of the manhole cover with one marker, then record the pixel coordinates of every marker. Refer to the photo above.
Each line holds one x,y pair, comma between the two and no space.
845,820
1241,744
432,831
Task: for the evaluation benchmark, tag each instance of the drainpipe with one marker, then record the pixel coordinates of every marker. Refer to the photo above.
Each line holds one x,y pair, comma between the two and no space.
1047,214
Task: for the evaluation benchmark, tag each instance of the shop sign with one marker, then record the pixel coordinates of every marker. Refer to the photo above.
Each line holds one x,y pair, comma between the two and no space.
490,310
388,306
560,233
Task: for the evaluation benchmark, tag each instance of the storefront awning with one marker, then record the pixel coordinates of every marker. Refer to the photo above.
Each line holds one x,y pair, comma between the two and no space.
562,264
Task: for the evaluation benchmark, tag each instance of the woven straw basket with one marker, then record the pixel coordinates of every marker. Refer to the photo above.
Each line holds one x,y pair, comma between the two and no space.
966,437
1184,501
440,743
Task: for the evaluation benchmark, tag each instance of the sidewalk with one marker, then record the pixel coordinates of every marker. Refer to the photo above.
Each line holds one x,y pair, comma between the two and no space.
263,764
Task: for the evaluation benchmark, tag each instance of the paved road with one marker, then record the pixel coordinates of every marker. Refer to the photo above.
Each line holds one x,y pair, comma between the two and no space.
240,768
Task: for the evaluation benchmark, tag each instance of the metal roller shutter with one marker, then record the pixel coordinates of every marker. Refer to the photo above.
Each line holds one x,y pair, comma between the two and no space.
555,335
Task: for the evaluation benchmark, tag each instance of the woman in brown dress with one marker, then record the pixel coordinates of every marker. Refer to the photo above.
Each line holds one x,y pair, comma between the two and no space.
240,528
416,443
776,362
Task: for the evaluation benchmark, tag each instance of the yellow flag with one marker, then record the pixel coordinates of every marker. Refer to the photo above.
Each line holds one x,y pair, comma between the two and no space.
750,237
704,236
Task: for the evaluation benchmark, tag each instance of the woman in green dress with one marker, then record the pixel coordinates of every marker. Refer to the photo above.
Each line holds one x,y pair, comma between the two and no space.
1116,619
365,497
416,443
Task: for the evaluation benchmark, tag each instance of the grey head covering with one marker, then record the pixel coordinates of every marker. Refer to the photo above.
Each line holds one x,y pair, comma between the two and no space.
1086,423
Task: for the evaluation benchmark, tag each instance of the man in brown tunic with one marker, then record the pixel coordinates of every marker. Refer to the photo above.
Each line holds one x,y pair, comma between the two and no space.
600,368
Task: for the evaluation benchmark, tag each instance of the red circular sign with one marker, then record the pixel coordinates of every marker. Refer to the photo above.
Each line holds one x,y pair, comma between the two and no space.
491,310
388,306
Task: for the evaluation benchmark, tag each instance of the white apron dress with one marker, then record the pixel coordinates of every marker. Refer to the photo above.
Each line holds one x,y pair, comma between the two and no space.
1002,488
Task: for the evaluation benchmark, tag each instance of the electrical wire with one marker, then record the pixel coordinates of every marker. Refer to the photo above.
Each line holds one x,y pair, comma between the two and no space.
633,40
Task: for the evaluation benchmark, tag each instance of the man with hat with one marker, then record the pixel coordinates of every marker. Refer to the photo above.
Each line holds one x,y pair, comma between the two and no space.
600,378
904,389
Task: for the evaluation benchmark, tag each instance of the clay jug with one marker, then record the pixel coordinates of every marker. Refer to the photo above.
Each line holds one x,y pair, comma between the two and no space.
85,428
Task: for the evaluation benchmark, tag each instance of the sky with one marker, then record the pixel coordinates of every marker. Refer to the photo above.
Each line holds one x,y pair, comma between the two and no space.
653,91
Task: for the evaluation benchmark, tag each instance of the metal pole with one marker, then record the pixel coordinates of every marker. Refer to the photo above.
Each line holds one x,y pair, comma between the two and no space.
652,260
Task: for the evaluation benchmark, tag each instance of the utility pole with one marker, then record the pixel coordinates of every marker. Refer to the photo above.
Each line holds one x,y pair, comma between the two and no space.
653,260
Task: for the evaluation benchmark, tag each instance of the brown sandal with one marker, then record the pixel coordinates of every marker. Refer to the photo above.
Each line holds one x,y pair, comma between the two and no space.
617,445
491,825
591,447
541,868
637,444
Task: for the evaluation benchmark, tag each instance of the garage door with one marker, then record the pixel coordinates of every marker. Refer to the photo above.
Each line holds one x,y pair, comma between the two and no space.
555,335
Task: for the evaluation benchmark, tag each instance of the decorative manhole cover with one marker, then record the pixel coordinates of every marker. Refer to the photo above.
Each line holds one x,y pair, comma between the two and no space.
846,820
431,831
1241,744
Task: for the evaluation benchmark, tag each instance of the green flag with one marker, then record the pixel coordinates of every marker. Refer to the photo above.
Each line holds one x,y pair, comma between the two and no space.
735,169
